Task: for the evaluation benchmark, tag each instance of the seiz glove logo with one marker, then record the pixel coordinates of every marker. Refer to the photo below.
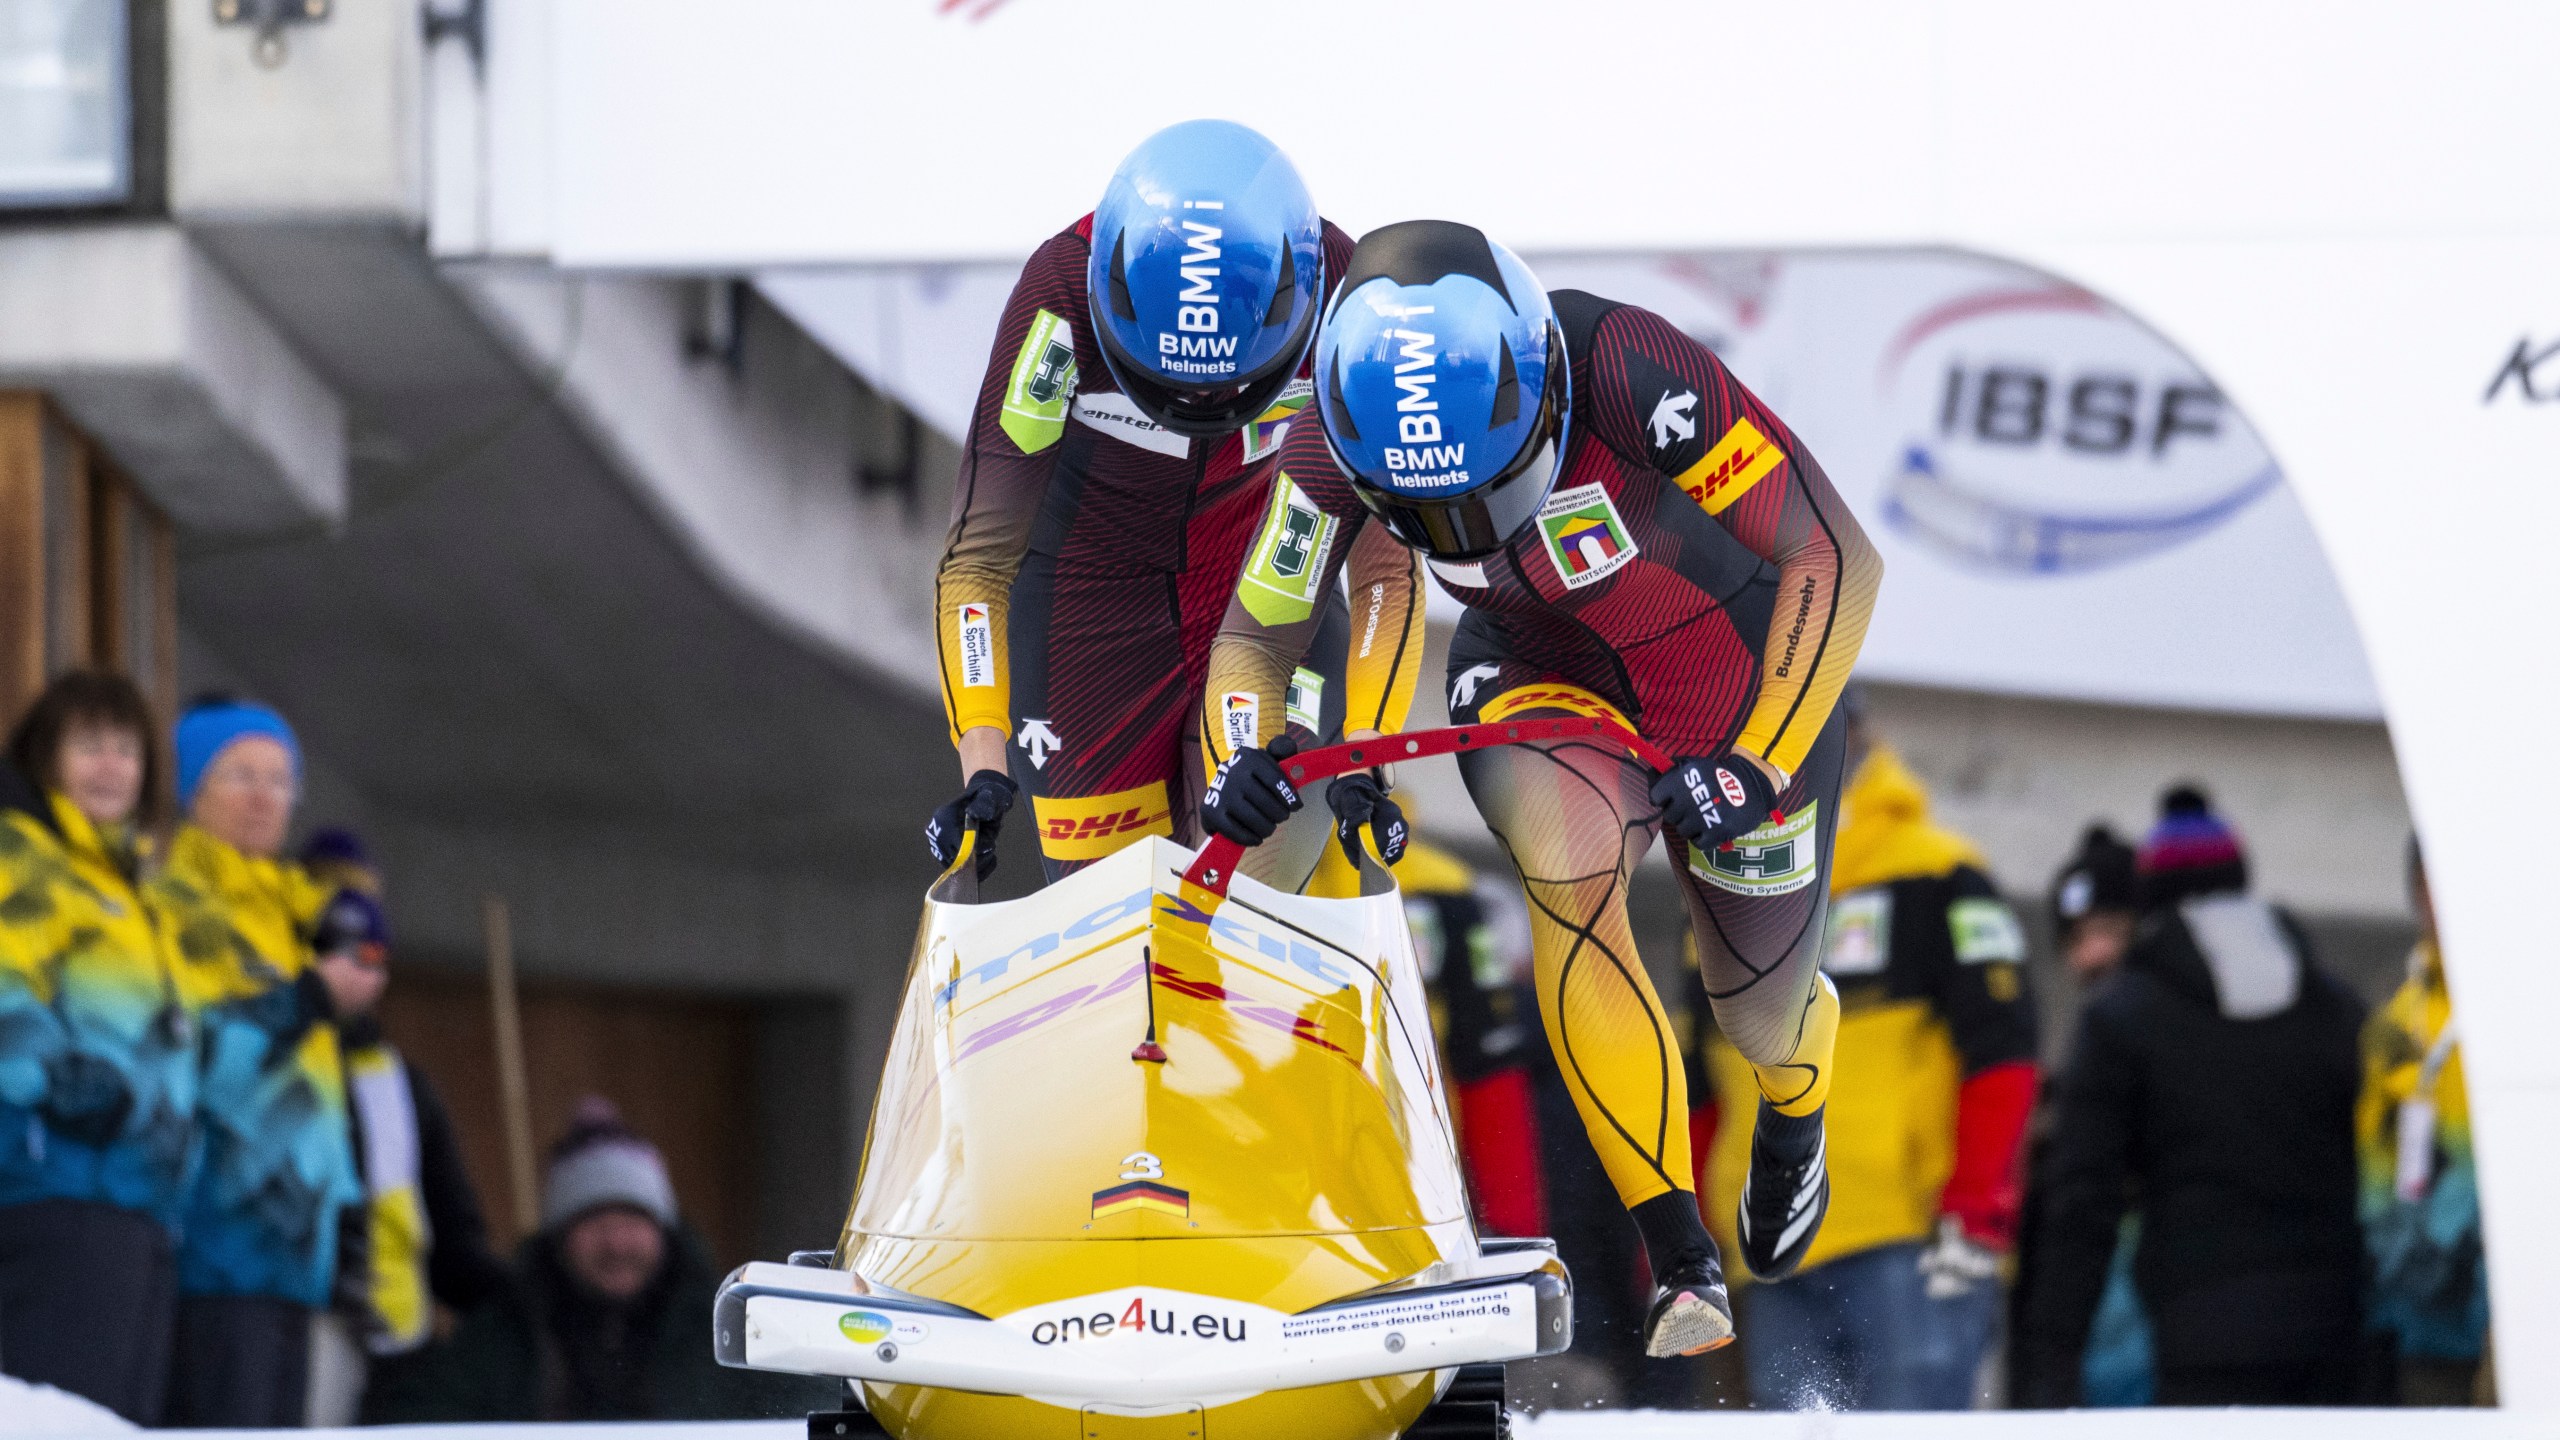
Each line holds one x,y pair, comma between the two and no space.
1217,788
1360,799
1250,796
1704,797
1712,802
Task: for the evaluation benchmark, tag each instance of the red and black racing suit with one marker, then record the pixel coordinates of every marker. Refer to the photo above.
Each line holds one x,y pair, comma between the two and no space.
1091,554
1694,575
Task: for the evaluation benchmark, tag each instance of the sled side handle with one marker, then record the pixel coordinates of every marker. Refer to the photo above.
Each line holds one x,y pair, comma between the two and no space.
958,883
1216,863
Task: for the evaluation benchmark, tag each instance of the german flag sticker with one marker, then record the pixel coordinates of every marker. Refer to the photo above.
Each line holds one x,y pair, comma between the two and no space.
1142,1195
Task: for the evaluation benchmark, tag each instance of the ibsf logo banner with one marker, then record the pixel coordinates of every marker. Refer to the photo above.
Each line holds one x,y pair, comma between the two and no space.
2050,433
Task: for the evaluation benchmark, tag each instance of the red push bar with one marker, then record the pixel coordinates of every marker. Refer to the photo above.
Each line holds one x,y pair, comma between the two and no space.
1217,861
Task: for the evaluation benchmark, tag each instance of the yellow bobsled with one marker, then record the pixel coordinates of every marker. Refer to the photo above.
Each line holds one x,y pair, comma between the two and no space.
1163,1152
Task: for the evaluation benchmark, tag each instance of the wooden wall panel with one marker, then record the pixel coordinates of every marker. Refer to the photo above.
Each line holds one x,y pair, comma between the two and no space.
88,566
111,558
679,1066
22,551
158,671
70,642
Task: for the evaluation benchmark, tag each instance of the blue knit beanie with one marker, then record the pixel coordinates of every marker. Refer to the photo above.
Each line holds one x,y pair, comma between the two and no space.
209,727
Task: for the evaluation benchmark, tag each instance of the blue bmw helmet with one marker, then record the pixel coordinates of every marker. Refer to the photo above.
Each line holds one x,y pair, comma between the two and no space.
1446,394
1207,276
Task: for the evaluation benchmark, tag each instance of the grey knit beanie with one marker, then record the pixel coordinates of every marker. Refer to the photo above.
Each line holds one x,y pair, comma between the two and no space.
600,1162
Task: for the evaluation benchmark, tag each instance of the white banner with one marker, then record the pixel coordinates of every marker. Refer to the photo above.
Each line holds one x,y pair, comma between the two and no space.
2066,505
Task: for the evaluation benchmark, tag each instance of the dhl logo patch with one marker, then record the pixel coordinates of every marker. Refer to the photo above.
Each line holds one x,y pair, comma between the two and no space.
1092,826
1727,472
1572,699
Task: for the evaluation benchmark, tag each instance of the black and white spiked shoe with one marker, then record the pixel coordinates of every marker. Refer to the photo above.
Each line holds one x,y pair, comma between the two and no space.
1785,1193
1691,1314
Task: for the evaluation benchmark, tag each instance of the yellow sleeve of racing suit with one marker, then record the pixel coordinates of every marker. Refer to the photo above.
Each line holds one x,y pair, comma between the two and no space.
1386,632
1004,476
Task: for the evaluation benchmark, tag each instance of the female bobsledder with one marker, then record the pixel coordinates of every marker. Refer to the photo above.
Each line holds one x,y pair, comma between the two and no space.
1635,537
1144,374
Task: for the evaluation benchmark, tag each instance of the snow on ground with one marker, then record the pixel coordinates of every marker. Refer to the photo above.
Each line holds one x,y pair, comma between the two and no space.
42,1410
2037,1425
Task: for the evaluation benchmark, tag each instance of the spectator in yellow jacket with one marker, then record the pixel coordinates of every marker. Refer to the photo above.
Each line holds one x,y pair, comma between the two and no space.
1930,1092
2418,1193
261,1224
97,1057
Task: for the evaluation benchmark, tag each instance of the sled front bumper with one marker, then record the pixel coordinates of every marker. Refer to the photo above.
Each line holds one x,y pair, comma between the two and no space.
1145,1344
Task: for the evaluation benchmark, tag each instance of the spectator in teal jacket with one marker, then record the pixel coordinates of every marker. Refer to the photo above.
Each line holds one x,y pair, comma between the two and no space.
97,1057
261,1232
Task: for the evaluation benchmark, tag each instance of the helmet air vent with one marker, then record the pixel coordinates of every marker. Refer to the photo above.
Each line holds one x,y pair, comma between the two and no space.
1121,304
1287,290
1339,417
1506,392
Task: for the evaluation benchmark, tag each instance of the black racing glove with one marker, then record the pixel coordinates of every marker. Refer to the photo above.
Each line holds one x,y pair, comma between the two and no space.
1712,803
989,794
1358,799
1249,796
